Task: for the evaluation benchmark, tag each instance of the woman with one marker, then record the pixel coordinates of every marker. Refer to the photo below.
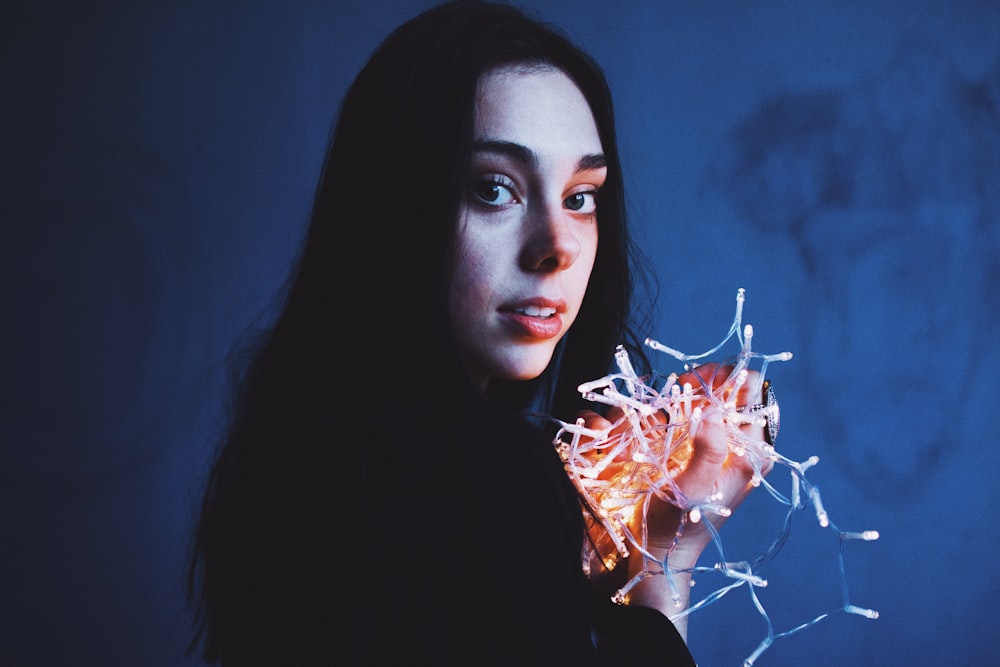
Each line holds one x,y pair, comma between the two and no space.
381,497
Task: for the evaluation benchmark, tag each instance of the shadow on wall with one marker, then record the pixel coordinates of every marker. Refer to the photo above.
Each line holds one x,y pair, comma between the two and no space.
890,191
86,280
89,406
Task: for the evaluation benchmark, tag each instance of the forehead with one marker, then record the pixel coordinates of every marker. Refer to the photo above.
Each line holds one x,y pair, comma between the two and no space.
537,106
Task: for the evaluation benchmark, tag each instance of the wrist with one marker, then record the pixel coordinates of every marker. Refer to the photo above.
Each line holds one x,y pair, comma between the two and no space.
681,553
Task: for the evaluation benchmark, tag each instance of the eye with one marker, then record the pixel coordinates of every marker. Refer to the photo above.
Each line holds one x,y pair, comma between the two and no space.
494,191
582,202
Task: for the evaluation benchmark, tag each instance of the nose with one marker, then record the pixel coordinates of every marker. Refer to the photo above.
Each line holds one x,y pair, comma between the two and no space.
551,243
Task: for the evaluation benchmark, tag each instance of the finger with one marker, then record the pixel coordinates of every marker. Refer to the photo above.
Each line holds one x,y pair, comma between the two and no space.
697,480
592,420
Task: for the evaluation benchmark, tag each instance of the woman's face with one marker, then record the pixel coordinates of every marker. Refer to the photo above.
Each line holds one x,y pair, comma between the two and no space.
527,230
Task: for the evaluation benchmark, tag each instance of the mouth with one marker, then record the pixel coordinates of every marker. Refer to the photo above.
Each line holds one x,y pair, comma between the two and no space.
539,319
536,311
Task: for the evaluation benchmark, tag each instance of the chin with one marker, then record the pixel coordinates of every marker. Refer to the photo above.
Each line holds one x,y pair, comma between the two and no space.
520,367
524,371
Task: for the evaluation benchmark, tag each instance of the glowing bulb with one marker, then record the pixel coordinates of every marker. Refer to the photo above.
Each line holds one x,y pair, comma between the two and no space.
867,536
861,611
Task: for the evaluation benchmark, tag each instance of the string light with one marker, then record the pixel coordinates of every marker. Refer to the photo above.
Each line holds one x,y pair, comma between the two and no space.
619,470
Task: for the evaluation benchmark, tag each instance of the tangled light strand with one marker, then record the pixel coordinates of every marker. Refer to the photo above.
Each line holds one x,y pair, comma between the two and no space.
621,469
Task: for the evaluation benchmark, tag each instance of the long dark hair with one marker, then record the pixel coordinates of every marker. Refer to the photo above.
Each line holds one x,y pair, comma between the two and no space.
367,304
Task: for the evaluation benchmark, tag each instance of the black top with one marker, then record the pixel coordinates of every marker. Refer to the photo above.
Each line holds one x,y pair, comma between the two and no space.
455,541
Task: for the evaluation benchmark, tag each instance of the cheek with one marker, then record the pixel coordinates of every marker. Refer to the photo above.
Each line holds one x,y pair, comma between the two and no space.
584,266
482,250
470,278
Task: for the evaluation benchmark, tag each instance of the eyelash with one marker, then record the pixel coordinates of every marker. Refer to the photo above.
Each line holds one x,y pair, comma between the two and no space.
586,193
499,181
493,181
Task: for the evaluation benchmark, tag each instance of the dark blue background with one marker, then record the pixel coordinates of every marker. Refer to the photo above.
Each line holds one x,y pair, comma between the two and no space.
839,160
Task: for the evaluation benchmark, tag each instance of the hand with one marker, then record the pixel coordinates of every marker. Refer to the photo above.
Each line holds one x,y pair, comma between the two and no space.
712,470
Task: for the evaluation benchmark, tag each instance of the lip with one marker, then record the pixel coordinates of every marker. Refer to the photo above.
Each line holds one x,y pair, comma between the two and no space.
531,326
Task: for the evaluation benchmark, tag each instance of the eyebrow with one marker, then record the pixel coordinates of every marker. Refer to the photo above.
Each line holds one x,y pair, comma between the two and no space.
527,156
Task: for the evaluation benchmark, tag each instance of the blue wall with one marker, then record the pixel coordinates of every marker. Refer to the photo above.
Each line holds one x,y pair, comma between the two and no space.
839,160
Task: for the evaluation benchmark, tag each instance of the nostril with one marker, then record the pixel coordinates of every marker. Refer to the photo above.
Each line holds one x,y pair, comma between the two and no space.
548,264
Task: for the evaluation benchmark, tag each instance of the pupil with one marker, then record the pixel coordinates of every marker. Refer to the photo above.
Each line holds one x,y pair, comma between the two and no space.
490,192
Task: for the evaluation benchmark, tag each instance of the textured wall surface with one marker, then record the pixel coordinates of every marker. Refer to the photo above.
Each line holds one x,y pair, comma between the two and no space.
839,160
